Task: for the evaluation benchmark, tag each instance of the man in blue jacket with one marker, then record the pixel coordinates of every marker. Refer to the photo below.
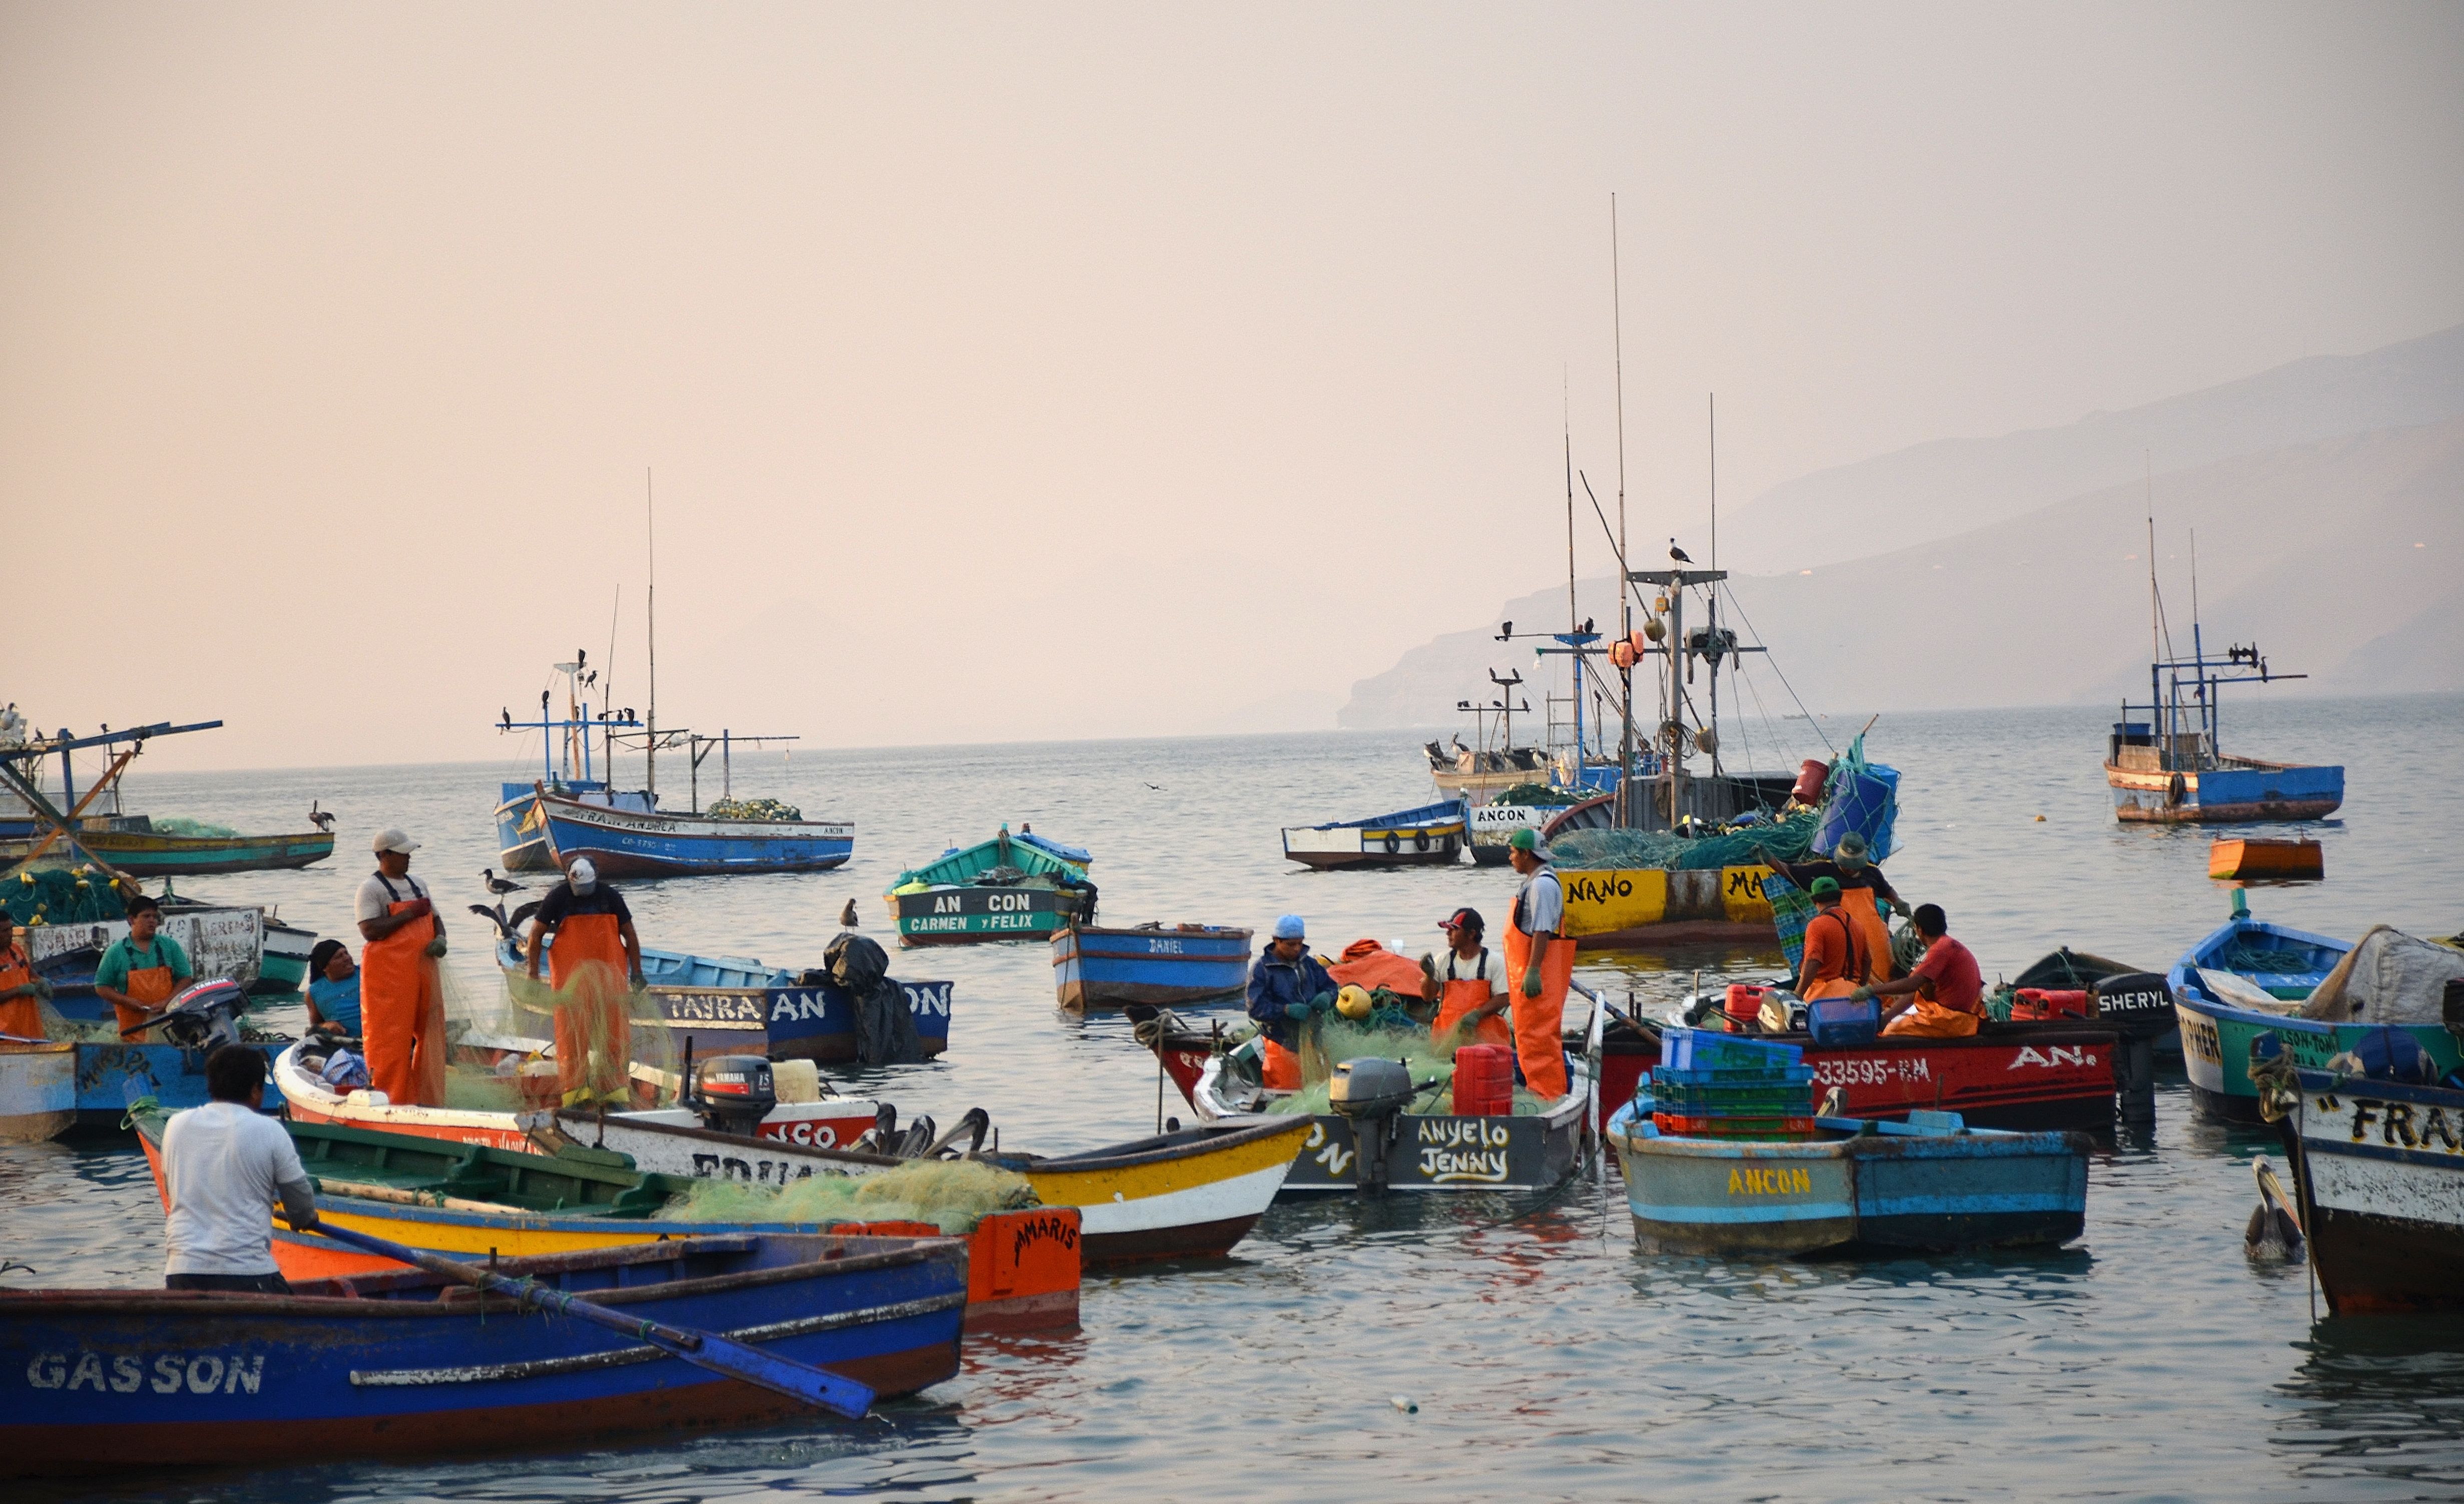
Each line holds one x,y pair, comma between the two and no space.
1287,986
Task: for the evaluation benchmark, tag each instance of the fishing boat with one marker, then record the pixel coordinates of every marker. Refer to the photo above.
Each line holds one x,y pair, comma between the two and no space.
91,827
1005,889
1491,826
2249,978
1154,964
1930,1184
822,1120
221,941
37,1089
473,1201
400,1365
732,1005
573,811
2380,1172
1432,836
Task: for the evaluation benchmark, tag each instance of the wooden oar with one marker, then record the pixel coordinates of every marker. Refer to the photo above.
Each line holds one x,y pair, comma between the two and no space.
815,1386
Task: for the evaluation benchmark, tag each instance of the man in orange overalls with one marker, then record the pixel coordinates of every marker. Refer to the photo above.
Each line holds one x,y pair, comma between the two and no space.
1835,953
1470,989
1543,960
22,994
139,973
402,1002
596,959
1864,893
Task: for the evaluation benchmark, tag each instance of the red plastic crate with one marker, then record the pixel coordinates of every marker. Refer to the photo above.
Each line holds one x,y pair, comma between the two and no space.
1774,1128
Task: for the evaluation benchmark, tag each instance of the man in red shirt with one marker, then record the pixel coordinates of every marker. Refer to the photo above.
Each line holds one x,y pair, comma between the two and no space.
1945,993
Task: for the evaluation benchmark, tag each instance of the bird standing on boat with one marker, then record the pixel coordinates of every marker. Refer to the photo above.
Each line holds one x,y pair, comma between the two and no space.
321,819
499,886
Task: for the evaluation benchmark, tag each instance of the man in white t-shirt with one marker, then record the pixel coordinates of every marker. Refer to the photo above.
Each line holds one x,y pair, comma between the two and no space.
224,1164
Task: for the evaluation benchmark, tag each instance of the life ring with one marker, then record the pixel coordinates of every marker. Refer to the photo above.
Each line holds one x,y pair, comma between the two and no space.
2176,790
1394,843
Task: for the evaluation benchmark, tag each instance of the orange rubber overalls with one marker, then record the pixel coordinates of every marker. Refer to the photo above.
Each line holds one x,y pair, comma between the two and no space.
151,985
594,1038
402,1013
22,1017
1539,1023
1832,971
1463,994
1865,914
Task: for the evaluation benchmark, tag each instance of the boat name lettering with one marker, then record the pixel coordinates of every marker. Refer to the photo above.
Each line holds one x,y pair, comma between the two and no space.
2052,1056
198,1373
1042,1229
963,923
1597,889
1487,1166
1456,1133
766,1172
810,1133
2397,1128
1873,1070
1782,1181
1336,1158
1163,947
1746,881
2199,1037
687,1008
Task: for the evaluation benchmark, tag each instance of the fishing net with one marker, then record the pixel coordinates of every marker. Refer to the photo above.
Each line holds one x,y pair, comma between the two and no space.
1861,798
1787,838
751,810
1332,1041
2260,961
952,1195
175,825
1790,911
611,1044
1531,795
62,895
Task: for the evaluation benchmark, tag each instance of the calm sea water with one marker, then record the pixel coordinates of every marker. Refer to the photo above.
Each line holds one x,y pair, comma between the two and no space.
1547,1358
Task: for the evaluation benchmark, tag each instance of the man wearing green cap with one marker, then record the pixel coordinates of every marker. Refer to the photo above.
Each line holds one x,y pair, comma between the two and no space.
1539,964
1834,959
1864,893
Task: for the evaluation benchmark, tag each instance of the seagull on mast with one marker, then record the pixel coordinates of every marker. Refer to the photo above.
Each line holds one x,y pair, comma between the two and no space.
1679,554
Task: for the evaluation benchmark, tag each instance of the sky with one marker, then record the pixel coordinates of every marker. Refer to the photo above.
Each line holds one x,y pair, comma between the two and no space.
1010,373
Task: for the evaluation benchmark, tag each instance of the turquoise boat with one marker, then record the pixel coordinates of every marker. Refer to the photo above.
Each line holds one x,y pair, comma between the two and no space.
1930,1184
1005,889
2250,977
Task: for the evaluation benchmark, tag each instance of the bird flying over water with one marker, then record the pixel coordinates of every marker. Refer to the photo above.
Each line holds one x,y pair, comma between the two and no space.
497,885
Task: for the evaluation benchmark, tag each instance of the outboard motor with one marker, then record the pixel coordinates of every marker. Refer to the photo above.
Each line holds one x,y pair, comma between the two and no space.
1371,1093
2138,1006
204,1015
733,1094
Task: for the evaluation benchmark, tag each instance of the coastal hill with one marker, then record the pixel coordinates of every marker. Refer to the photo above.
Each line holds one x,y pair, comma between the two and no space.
2342,556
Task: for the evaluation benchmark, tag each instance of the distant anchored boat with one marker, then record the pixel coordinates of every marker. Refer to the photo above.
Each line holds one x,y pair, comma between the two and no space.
90,825
1431,835
1011,887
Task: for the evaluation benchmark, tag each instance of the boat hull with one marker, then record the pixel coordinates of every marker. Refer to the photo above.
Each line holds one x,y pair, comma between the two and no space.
2380,1167
2216,1050
623,843
1419,1153
145,854
1885,1190
109,1077
1433,835
972,915
1107,968
1636,908
37,1091
107,1381
2250,792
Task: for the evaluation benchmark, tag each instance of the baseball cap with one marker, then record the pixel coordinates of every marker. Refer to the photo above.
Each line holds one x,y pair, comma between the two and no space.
581,874
394,838
1462,917
1825,888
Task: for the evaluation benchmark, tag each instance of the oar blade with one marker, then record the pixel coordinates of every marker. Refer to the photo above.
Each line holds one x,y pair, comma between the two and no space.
816,1386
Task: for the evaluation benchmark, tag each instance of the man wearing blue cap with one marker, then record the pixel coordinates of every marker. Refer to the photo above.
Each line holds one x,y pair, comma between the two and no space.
1286,986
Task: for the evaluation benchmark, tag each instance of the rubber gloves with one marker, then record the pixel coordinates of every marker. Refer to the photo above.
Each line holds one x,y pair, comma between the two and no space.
436,947
1532,980
1297,1012
1862,995
1323,1002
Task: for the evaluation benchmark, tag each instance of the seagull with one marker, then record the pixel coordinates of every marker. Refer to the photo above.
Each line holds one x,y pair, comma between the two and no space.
846,915
321,819
1679,554
1157,787
499,886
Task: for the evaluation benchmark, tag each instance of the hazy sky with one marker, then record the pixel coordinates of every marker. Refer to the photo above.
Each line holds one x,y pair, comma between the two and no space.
1022,372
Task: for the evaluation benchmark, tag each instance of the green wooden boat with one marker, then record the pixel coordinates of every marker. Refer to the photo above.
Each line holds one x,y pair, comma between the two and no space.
131,844
1008,888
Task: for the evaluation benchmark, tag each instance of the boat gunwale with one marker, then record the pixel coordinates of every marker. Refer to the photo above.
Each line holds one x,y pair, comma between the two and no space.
1231,1136
545,798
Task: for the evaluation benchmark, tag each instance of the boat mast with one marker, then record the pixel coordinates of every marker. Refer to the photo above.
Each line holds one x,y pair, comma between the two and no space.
650,740
1574,615
1624,586
1711,596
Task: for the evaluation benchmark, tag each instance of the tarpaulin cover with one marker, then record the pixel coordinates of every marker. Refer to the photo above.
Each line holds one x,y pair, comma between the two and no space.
1862,797
1373,965
2387,977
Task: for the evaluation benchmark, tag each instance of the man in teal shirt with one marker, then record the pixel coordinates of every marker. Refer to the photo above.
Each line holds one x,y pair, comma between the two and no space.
140,972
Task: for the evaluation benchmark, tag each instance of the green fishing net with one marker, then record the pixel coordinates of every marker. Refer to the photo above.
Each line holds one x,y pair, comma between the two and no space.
59,895
751,810
176,825
952,1195
1787,838
1427,1059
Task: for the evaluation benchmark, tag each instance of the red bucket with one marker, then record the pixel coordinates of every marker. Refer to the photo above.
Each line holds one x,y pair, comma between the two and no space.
1744,1007
1484,1081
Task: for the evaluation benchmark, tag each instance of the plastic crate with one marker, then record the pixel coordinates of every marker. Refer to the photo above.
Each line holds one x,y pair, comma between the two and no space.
1741,1101
1764,1129
1701,1049
1753,1075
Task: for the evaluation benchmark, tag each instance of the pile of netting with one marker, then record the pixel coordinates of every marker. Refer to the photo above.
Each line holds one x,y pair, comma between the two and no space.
64,895
610,1041
952,1195
1788,837
1538,795
1332,1041
175,825
751,810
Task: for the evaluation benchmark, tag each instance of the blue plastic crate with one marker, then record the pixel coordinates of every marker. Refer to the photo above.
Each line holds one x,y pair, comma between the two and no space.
1702,1048
1735,1075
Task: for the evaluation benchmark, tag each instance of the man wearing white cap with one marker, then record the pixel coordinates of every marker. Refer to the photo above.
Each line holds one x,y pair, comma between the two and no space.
402,1005
595,947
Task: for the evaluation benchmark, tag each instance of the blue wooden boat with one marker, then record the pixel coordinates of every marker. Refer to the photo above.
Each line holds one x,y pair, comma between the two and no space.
1431,835
732,1005
109,1077
406,1365
2249,978
1154,964
2170,768
1931,1184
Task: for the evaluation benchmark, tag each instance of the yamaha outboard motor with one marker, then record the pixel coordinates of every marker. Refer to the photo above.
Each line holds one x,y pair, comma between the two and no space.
1371,1093
204,1015
733,1094
2138,1006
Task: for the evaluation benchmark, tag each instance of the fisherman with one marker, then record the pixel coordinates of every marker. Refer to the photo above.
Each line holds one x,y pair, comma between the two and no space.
594,938
1835,958
1945,993
22,994
332,988
1537,952
224,1164
402,1005
1287,986
1863,894
141,970
1470,989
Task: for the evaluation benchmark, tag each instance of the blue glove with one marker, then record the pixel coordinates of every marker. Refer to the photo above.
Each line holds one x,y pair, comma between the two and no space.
1297,1012
1323,1002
